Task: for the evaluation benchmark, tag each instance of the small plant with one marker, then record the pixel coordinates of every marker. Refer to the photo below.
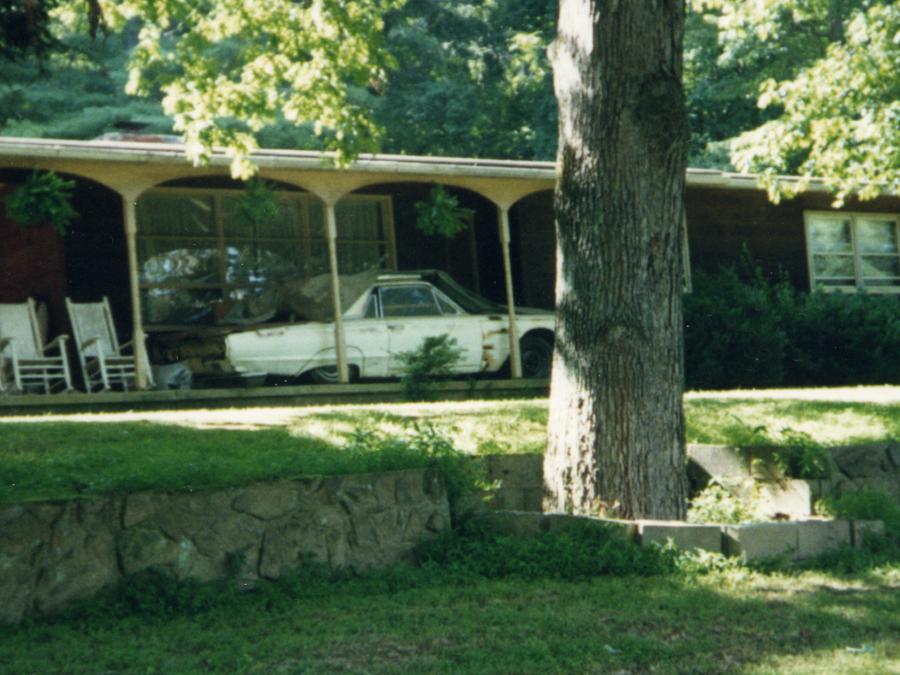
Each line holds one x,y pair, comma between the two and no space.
44,199
801,457
423,445
258,205
441,214
715,504
435,357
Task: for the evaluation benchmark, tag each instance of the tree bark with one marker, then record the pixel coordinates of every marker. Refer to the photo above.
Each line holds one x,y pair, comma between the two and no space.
616,427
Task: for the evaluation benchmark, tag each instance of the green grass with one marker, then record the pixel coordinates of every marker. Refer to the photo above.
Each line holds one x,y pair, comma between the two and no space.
53,459
409,620
67,459
825,422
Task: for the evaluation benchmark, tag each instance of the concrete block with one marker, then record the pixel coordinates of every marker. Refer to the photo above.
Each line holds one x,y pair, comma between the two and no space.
788,497
756,541
815,537
533,499
860,529
683,535
718,461
516,471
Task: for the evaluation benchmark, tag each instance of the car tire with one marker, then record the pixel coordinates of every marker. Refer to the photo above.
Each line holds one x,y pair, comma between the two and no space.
329,374
537,356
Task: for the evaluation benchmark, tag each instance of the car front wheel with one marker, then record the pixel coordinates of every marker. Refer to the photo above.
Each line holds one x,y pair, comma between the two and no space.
537,356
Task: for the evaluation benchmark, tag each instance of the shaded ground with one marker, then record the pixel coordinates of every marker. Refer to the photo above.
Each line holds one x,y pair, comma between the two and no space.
734,622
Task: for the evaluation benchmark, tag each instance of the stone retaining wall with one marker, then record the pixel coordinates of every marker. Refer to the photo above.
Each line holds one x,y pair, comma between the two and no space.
54,552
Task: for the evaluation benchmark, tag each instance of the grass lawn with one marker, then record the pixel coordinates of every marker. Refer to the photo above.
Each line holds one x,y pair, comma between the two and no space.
737,621
54,457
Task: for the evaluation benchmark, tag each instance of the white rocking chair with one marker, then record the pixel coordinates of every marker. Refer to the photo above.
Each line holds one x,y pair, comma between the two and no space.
25,362
103,361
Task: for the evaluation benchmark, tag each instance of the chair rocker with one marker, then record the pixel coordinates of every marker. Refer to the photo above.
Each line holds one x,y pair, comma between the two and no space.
26,364
104,362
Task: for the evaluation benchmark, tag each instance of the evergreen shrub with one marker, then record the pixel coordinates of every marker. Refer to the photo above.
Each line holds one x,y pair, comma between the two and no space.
744,330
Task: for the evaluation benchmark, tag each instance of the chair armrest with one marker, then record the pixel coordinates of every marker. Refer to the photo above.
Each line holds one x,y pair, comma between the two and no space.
59,341
89,342
126,345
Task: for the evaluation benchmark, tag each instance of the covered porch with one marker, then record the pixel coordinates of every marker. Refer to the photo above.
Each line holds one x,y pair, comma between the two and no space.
160,239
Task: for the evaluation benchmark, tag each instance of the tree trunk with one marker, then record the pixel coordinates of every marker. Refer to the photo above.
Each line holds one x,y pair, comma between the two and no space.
616,429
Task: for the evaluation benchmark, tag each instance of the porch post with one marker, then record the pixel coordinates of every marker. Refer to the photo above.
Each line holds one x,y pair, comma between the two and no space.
141,362
339,343
515,357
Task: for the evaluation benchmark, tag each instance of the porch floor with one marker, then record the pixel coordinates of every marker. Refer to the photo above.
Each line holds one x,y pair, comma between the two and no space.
303,395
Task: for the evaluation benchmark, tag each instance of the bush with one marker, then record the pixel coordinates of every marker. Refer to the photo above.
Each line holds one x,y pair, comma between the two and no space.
732,334
839,339
744,330
434,358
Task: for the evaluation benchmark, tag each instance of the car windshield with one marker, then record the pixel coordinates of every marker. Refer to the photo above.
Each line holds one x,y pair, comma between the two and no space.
462,296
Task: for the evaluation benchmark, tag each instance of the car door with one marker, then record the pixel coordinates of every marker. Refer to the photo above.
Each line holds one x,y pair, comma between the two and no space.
366,338
411,312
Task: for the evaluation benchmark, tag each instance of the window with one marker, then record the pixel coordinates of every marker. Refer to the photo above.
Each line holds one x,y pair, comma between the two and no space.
413,300
849,251
198,263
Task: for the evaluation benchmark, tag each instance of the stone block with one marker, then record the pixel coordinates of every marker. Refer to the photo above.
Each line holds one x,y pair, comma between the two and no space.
815,537
507,499
860,529
683,535
81,554
267,500
787,497
533,499
757,541
516,471
718,461
893,454
857,461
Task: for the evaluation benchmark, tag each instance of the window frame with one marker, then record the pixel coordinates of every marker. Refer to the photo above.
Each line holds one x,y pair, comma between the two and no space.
857,256
219,240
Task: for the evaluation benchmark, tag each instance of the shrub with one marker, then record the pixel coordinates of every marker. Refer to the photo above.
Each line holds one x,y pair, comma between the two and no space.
732,334
842,339
434,358
744,330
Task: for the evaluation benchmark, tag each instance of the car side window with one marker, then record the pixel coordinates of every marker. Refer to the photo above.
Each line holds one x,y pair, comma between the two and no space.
370,311
444,304
412,300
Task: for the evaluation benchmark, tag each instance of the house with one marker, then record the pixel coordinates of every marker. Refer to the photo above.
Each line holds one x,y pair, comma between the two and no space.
161,238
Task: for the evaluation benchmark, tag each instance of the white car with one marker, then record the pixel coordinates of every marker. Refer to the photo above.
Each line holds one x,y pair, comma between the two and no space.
391,318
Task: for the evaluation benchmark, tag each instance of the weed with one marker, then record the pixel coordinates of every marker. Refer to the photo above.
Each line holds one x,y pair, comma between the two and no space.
715,504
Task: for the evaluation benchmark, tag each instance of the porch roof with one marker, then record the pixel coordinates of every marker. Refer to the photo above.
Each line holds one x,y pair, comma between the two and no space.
163,161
